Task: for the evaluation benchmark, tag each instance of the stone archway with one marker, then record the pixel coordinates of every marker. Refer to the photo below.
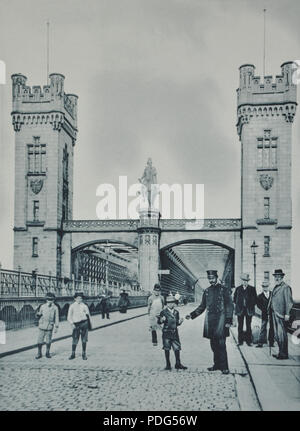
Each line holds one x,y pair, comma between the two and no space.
189,259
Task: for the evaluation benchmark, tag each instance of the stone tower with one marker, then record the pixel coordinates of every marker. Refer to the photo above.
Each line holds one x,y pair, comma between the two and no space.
45,124
265,112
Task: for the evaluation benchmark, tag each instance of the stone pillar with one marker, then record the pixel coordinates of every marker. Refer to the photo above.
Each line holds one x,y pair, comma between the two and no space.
149,235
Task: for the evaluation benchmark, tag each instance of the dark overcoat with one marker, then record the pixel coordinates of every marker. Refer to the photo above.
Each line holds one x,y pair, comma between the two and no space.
281,300
262,303
217,302
105,305
123,301
251,298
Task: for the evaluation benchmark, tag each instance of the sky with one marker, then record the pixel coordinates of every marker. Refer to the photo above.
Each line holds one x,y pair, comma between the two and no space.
155,78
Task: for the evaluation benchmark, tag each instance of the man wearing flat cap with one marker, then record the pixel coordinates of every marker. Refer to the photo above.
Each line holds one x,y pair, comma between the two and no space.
280,305
262,303
48,321
245,300
217,302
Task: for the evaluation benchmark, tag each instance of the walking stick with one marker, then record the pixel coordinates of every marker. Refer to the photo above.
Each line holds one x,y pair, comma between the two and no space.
270,317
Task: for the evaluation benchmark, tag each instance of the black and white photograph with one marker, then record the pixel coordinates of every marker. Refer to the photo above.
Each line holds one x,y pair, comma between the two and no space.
150,208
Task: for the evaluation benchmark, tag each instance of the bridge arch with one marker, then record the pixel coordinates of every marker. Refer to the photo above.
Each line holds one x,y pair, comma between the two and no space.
102,241
196,240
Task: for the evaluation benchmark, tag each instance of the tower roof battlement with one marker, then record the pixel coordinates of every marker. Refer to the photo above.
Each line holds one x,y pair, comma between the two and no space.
46,99
257,90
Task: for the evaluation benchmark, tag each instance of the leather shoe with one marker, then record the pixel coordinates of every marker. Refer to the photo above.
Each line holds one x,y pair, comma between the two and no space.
240,344
48,355
38,356
168,368
280,357
213,368
249,344
259,345
180,367
84,357
72,356
225,371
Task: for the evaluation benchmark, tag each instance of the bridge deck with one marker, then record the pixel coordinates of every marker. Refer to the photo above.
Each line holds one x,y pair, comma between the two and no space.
125,372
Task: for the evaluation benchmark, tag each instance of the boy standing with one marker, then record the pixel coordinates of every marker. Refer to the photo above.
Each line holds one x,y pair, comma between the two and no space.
170,318
78,316
155,306
48,320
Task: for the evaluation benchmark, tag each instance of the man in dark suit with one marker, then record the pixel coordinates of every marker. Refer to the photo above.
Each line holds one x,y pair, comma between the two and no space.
262,303
217,302
245,301
280,305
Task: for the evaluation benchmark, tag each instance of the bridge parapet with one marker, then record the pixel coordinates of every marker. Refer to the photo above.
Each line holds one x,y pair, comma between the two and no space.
100,225
206,224
164,224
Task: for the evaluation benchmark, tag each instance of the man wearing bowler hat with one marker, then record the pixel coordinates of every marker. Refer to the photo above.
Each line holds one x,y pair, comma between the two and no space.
245,300
280,305
262,303
217,302
78,317
48,320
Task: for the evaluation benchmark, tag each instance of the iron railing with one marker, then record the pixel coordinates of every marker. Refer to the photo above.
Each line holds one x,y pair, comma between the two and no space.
15,284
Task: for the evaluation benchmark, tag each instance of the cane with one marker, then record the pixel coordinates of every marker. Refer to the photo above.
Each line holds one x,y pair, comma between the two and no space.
270,317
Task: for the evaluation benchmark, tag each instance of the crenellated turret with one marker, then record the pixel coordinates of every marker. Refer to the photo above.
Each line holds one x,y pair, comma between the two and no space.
47,105
255,90
267,97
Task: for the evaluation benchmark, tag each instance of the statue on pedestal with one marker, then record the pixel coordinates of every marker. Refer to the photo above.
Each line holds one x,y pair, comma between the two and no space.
150,187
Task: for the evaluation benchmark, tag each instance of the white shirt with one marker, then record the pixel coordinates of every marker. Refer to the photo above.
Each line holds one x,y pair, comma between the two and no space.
267,294
77,312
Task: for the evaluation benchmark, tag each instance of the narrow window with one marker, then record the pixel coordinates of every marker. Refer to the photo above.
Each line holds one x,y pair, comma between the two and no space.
36,155
266,208
36,207
35,246
266,246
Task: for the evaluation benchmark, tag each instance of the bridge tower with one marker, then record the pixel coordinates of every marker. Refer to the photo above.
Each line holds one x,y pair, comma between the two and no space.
265,112
45,124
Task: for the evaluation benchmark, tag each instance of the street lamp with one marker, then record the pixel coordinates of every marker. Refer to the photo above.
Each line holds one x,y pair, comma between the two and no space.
254,252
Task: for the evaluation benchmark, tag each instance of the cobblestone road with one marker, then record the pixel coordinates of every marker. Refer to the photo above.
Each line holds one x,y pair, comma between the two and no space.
123,372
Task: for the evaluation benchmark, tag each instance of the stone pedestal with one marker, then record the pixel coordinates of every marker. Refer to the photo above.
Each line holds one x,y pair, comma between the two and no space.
149,235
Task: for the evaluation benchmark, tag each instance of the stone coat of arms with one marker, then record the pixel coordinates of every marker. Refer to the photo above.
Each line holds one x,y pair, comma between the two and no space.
266,181
36,185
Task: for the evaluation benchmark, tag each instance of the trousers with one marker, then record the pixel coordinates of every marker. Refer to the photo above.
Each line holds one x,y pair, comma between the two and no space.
218,346
280,335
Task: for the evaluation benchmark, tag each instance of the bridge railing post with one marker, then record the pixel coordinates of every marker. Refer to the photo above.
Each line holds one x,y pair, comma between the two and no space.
19,281
90,286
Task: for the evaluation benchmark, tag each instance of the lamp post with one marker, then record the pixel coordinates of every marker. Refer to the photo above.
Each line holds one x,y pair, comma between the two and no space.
254,252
